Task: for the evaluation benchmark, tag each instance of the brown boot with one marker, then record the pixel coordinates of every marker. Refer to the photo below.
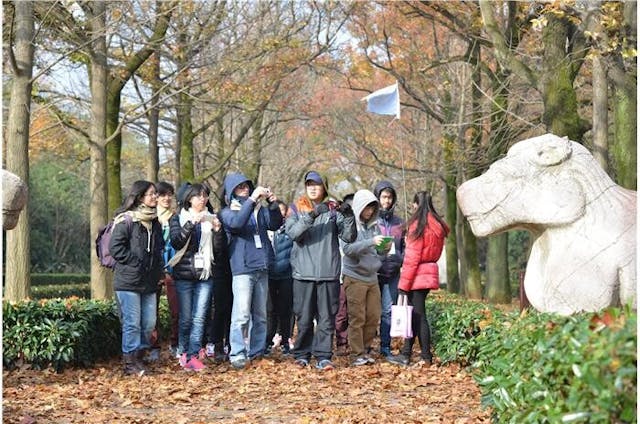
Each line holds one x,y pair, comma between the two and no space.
131,366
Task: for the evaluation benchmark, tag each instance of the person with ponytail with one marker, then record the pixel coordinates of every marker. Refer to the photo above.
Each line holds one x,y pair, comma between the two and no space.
136,245
419,273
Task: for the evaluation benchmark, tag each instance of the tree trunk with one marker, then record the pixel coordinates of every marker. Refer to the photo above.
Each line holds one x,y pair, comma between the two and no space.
498,284
558,95
600,113
453,277
101,278
625,146
187,171
114,149
153,161
18,249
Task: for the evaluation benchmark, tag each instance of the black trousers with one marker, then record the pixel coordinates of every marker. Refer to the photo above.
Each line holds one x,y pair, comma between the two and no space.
315,300
219,322
279,309
420,325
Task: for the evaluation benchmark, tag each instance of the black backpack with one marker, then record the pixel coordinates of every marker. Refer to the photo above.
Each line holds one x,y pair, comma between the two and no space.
103,240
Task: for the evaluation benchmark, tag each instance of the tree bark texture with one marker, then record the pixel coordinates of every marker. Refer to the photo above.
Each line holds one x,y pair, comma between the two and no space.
18,248
600,112
498,284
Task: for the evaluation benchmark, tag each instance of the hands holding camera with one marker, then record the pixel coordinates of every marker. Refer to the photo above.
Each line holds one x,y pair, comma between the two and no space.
263,193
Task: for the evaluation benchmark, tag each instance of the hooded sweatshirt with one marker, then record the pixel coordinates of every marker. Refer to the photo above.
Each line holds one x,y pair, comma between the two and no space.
391,225
246,225
361,260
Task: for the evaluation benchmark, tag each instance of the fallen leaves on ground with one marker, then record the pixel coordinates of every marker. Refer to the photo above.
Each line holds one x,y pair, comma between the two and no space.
271,390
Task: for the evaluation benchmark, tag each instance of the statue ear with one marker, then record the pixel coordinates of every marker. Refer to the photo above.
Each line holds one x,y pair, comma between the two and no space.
553,152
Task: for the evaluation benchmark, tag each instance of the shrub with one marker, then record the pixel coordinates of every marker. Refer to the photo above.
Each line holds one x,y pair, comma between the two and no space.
61,291
59,332
536,367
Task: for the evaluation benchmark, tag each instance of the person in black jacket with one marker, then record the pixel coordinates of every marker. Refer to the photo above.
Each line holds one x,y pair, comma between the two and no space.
136,245
197,236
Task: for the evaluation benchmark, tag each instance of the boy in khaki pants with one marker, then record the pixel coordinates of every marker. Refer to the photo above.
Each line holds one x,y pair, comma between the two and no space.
360,263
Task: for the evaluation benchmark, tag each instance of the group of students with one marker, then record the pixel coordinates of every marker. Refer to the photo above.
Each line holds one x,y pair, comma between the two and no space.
332,267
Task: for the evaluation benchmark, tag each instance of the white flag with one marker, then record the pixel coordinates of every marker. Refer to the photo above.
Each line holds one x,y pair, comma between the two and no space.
385,101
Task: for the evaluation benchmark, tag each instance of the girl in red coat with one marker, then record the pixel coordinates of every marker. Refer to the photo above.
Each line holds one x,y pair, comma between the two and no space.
419,273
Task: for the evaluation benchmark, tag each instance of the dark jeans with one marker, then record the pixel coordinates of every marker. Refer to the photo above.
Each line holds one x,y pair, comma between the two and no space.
388,296
174,309
319,300
279,309
420,325
219,321
342,320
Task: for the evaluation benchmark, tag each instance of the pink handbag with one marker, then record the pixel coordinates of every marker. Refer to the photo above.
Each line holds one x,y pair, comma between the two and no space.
401,318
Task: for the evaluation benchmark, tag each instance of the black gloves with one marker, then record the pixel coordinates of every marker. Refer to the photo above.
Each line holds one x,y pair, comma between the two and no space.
319,210
346,209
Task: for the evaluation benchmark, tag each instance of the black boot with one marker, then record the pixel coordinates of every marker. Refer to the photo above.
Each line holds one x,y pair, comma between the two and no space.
130,364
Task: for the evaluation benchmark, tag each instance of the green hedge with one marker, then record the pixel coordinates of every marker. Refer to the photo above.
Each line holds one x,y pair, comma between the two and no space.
59,332
61,291
59,279
536,367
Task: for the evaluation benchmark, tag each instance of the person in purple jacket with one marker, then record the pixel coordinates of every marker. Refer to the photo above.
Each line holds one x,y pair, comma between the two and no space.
389,272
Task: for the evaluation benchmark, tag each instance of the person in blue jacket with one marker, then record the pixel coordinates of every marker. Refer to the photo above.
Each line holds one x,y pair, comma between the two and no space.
246,221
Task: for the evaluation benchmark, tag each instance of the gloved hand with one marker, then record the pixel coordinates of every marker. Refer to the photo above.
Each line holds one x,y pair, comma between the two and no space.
346,209
319,210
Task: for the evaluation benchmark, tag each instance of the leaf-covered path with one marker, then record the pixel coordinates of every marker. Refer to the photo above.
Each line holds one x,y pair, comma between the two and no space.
271,390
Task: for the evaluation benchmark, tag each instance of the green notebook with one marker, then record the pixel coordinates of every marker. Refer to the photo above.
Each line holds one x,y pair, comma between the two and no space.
385,242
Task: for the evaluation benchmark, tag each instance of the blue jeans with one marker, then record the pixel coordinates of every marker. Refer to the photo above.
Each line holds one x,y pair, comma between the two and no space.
194,298
249,307
389,295
138,319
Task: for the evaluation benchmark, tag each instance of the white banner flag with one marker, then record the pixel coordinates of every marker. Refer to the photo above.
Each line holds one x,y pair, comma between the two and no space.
385,101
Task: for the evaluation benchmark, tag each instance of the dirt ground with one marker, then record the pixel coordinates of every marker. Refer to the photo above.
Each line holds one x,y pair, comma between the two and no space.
271,390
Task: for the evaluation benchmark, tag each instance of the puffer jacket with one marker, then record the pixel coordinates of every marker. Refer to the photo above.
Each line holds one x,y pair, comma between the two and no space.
185,268
391,225
281,265
315,255
419,268
138,256
361,260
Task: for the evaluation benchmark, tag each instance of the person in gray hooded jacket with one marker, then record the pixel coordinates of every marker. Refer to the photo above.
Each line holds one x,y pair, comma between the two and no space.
315,224
360,264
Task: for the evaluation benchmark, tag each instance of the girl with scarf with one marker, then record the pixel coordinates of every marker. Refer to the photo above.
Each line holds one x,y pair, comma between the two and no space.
136,245
195,235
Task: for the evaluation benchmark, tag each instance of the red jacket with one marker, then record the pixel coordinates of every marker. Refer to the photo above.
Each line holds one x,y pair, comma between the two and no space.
419,268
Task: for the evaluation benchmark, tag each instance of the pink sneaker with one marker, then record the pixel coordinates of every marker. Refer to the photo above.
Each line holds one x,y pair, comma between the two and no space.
194,364
182,360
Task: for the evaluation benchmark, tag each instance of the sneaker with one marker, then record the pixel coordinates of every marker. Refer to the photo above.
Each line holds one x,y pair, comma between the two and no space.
286,351
239,363
210,350
385,352
301,362
173,351
360,361
325,365
370,360
194,364
182,360
152,355
398,360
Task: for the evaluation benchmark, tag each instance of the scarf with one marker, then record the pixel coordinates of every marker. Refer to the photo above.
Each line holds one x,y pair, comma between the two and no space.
304,204
205,248
164,215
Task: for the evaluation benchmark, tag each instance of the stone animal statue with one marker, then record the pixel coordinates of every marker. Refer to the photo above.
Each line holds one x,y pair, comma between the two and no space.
14,197
583,256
